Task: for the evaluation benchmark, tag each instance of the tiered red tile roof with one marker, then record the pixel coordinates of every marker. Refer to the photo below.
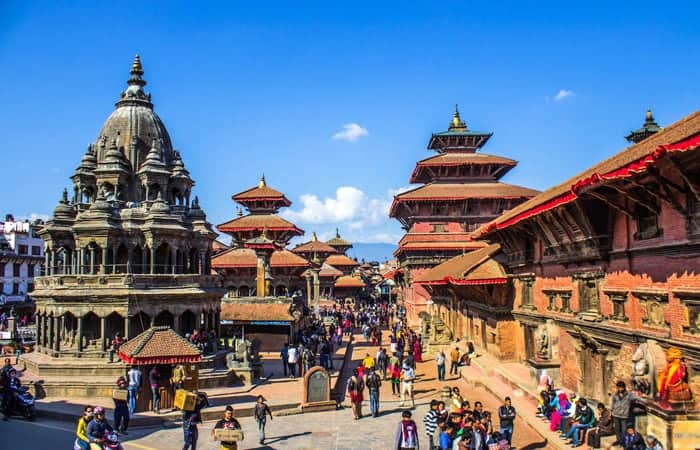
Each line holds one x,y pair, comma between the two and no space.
340,260
252,222
348,281
258,311
261,192
328,271
460,159
243,257
314,246
475,267
158,345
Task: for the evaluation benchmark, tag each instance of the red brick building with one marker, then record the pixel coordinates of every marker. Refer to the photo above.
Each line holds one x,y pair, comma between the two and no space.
607,264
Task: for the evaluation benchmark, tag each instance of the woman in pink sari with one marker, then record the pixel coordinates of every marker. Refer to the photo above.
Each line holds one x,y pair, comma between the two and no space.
417,350
561,407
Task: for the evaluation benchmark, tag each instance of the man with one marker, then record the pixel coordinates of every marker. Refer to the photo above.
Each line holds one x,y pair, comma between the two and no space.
7,367
478,412
134,376
395,373
284,356
121,410
446,437
430,422
355,387
583,420
620,407
506,415
408,375
632,440
373,383
154,381
406,433
440,361
114,348
97,428
261,412
5,394
410,360
368,362
308,359
178,377
382,360
227,423
190,419
292,359
454,361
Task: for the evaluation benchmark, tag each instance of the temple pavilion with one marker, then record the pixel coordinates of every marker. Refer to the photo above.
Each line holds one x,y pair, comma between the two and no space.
460,190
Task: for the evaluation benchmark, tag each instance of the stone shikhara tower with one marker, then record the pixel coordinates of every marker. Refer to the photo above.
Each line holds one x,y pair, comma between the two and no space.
132,248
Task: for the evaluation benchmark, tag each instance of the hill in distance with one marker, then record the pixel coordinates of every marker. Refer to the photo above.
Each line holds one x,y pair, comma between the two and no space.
372,251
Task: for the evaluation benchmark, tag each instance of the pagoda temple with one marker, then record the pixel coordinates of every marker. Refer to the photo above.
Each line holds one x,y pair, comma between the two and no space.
460,191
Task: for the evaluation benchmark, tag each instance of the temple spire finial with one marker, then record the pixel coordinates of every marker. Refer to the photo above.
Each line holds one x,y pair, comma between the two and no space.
649,117
457,124
314,238
136,68
262,182
337,233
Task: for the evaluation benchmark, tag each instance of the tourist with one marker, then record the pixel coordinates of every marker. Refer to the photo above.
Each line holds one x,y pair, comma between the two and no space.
300,364
382,361
308,360
260,413
355,387
456,400
446,437
373,383
440,361
506,416
189,429
395,372
284,356
227,423
632,439
583,420
560,409
478,436
406,433
368,362
292,359
430,423
82,439
325,354
410,360
114,347
620,407
134,376
121,410
408,375
418,349
97,428
653,443
153,380
478,412
605,427
454,361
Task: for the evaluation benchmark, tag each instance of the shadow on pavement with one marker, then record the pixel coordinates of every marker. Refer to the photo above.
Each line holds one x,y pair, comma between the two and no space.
535,445
280,438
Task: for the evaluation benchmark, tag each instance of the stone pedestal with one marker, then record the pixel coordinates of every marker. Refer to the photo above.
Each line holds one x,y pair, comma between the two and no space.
539,366
675,425
317,391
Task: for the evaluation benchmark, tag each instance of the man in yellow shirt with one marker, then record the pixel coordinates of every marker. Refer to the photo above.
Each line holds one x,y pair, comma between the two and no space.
454,358
368,362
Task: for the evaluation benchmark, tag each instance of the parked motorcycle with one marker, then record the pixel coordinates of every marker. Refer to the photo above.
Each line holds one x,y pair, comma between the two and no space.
23,404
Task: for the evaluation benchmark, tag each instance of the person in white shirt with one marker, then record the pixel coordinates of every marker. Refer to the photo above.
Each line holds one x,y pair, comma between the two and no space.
134,375
292,360
408,375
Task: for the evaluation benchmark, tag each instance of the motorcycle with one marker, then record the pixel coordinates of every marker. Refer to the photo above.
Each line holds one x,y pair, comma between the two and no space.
110,441
23,403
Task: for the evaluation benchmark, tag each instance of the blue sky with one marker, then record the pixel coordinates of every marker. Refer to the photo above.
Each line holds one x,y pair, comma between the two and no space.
252,87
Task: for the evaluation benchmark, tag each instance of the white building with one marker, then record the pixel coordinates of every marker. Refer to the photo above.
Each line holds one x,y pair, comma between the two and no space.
21,256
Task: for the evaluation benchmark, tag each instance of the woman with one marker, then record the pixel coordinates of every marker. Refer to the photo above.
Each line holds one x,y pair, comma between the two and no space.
261,412
605,426
82,440
560,407
417,350
355,388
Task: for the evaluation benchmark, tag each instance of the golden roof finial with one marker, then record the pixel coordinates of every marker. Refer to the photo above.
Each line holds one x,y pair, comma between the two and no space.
262,183
136,68
457,123
649,116
337,233
314,238
240,212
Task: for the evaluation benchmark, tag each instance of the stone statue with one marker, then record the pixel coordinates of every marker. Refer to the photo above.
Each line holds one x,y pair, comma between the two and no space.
642,378
543,345
673,380
441,333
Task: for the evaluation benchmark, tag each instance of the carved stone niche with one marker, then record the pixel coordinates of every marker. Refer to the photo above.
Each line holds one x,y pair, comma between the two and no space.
654,302
564,297
690,299
527,281
588,284
618,298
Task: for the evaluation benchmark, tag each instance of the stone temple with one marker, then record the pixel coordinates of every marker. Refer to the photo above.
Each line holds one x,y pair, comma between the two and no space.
131,247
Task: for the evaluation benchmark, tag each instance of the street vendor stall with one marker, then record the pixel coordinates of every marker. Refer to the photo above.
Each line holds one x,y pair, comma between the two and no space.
162,348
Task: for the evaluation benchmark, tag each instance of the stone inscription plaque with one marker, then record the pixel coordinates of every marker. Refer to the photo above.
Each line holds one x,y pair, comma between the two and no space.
318,387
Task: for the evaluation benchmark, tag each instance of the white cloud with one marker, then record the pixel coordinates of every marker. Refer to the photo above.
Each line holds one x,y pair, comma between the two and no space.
563,94
33,216
361,218
351,132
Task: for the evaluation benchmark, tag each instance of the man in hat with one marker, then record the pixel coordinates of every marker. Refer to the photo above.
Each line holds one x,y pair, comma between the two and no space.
121,410
227,423
408,376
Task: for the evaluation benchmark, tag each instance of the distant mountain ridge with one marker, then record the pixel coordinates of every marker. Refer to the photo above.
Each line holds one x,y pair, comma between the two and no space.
379,252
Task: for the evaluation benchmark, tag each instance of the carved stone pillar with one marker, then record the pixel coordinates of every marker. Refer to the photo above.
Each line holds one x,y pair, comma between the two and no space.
92,260
50,334
79,335
173,260
39,331
153,260
103,333
103,266
58,325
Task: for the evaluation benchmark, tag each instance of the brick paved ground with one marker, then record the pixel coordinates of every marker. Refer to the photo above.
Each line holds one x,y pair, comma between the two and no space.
336,429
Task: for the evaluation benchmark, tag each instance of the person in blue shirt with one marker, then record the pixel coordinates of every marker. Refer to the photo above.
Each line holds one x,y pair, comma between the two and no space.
446,438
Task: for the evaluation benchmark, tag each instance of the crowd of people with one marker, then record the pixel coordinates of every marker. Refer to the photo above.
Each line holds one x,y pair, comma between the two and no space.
578,423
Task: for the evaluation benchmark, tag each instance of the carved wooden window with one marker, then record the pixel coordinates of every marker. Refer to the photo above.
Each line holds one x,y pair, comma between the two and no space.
690,299
693,225
588,293
473,207
526,284
552,297
438,228
654,304
647,224
565,302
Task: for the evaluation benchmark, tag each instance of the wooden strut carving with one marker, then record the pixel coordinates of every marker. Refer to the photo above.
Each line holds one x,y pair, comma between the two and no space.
689,181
